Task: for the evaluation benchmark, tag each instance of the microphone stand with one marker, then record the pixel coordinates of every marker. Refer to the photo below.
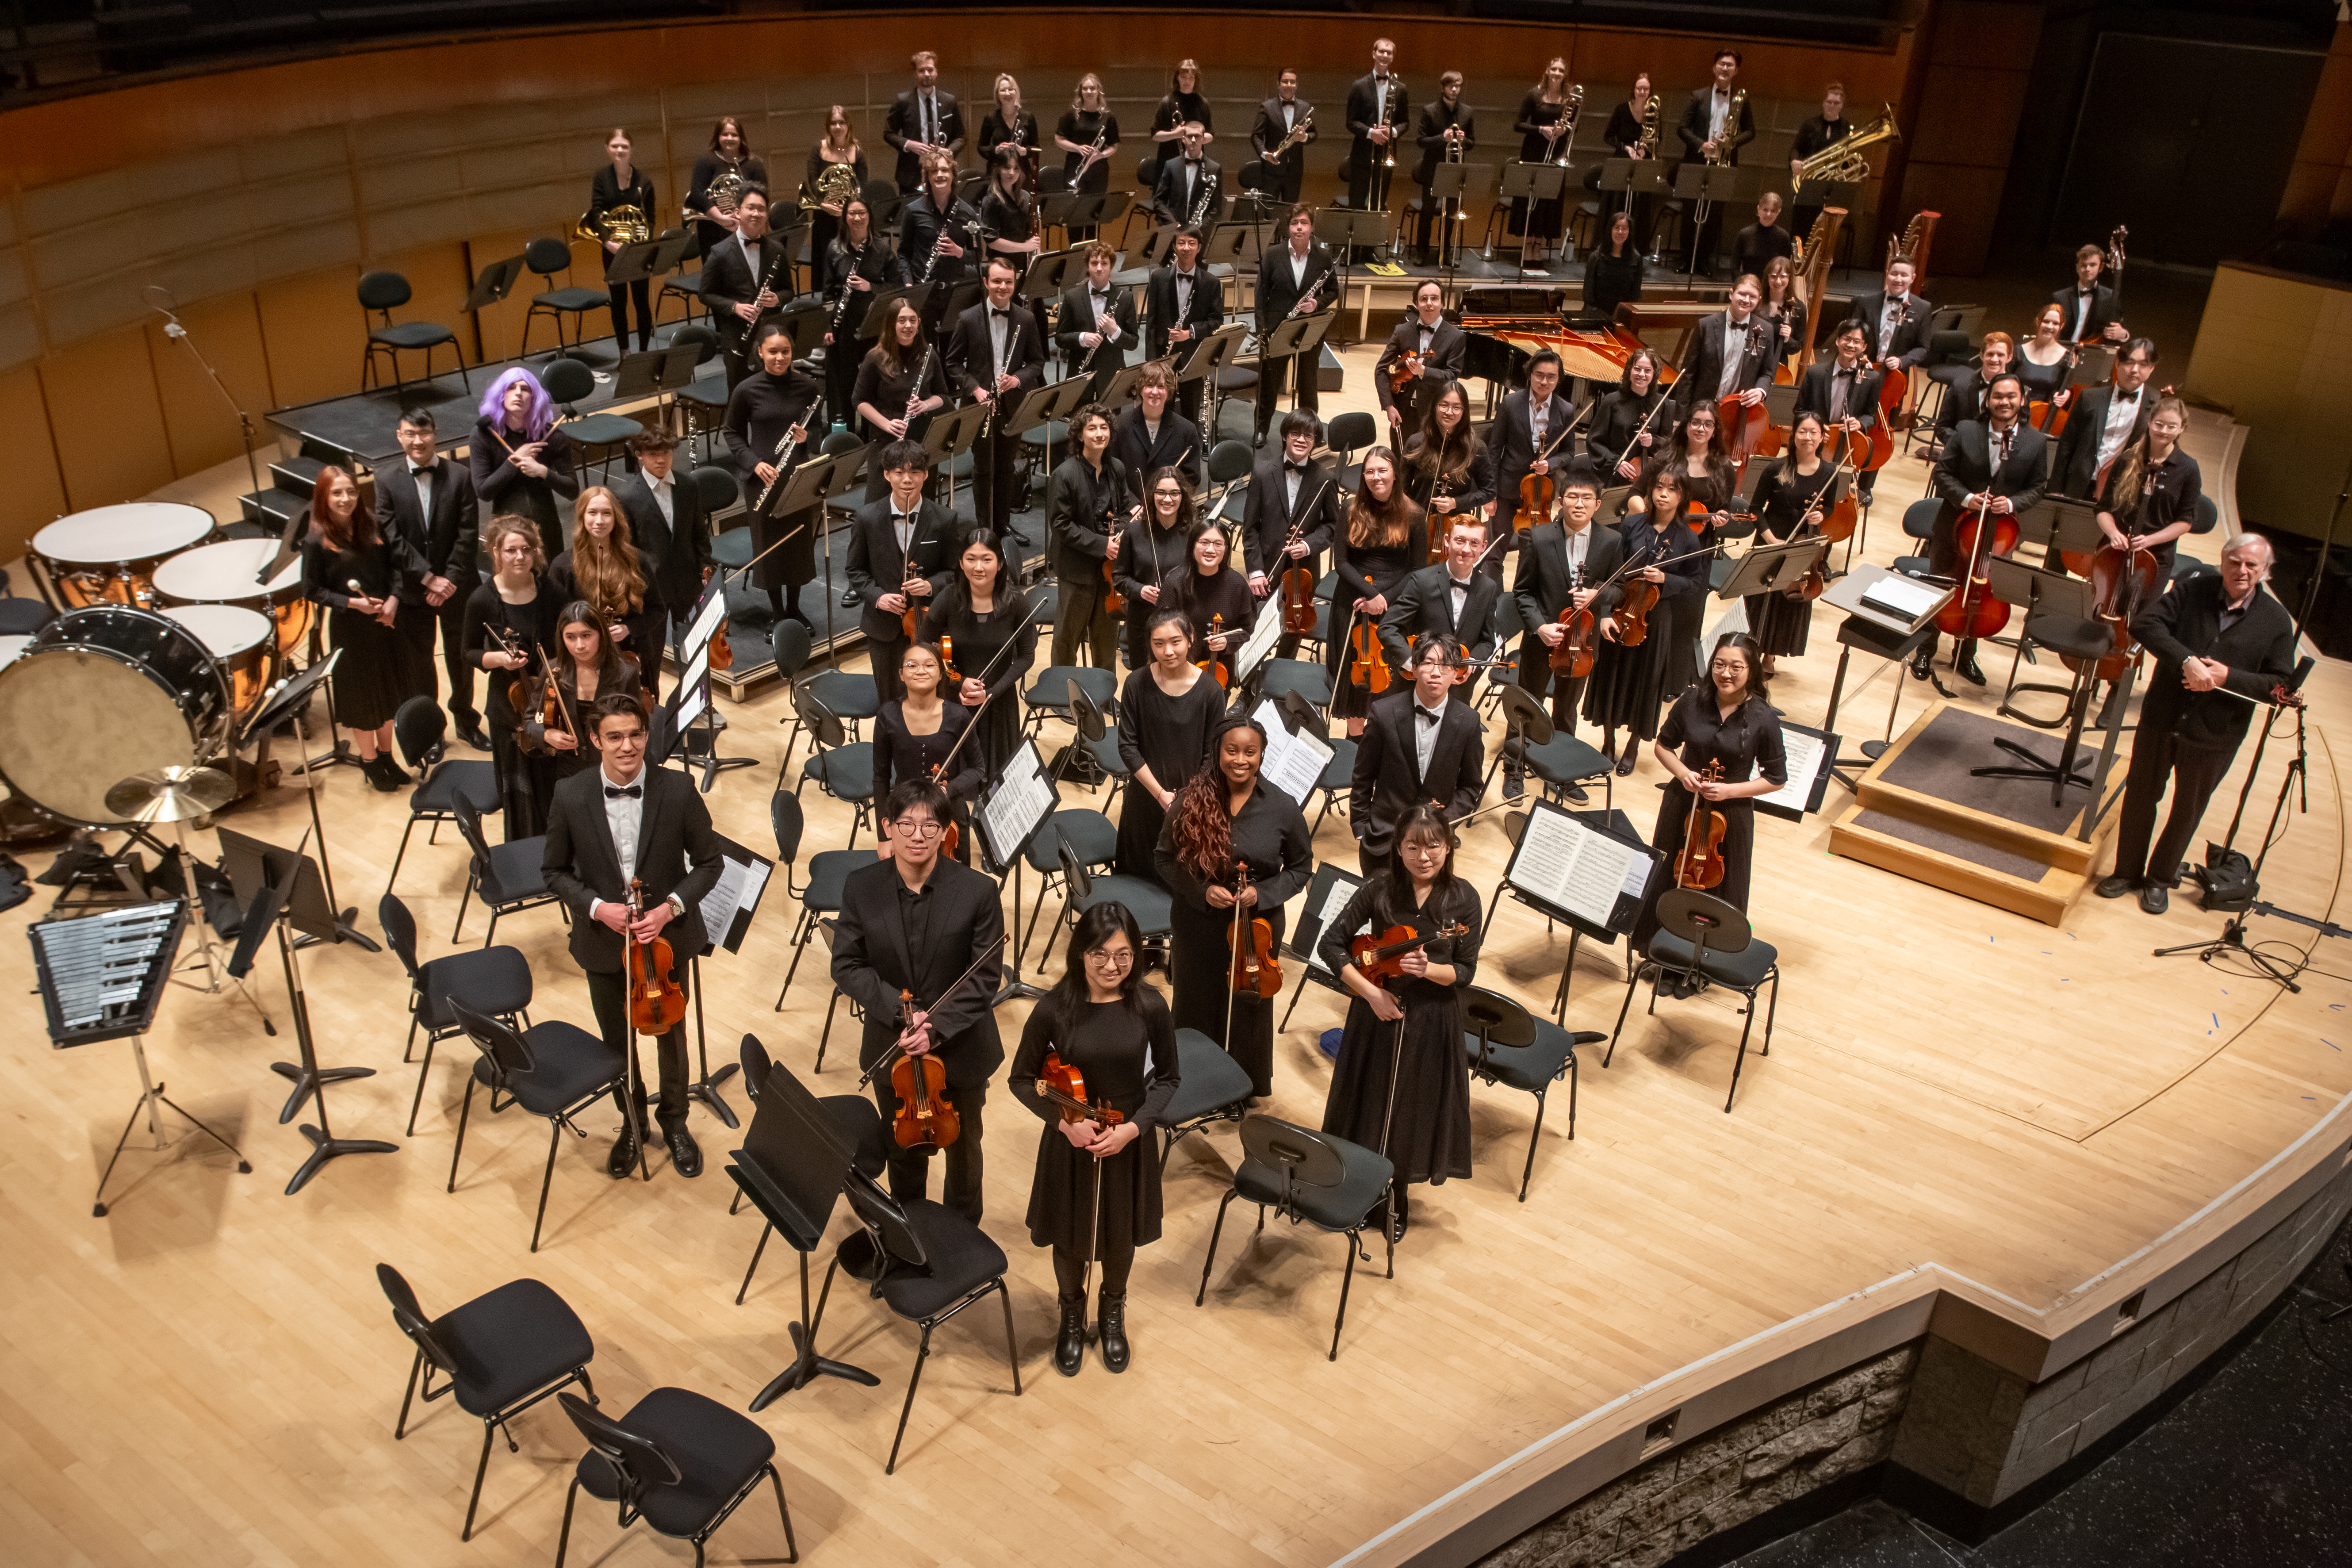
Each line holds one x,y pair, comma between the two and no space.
173,329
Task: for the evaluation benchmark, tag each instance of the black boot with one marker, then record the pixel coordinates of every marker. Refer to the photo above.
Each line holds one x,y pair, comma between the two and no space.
1070,1344
1111,1324
1964,662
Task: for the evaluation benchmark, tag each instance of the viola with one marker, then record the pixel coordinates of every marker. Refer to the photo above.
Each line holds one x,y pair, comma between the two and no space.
1370,667
926,1118
947,661
1381,957
1699,862
1065,1089
722,652
1404,373
1252,968
1539,491
656,1005
1973,612
1572,655
1634,610
1113,600
1215,664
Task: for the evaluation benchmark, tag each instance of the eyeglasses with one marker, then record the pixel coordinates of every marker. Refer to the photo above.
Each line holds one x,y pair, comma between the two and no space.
1108,959
1169,495
919,829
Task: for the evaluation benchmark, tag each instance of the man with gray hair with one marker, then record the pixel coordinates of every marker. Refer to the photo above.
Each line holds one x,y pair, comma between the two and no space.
2222,646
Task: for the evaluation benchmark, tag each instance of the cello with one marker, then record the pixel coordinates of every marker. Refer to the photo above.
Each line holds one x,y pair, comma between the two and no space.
1973,612
1742,425
1698,864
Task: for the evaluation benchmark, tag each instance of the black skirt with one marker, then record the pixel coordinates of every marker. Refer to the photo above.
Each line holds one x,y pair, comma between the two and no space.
1628,687
1779,622
382,666
1199,942
1140,817
1429,1138
1062,1199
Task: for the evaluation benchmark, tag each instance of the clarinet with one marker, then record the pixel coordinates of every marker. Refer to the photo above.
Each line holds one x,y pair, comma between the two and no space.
782,457
1208,194
841,307
915,393
933,260
995,397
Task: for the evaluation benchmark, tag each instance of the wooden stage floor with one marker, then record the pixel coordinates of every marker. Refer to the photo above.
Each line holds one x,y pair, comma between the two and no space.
210,1374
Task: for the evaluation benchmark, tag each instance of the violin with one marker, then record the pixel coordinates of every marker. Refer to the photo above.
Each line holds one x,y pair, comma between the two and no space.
1065,1088
1298,583
519,689
1381,958
1404,373
1370,667
911,621
1537,491
1699,862
656,1005
1253,969
1572,655
1633,609
1215,664
612,616
1113,600
926,1118
947,661
722,652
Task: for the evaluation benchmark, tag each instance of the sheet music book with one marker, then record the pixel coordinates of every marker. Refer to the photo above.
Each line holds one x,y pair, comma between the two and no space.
696,667
1810,753
1023,798
1902,597
1292,763
1264,635
728,908
691,701
1575,867
1343,888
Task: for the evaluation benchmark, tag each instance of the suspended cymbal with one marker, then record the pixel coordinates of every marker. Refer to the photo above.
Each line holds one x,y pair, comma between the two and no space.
172,794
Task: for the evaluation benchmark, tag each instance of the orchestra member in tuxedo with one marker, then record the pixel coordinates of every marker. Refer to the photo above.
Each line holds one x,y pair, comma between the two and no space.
1722,719
1184,105
1434,345
1997,466
1418,749
1445,132
913,923
739,277
1452,599
938,236
1629,682
1097,321
924,120
914,734
1754,248
1965,397
1008,122
902,551
428,501
1086,496
1385,537
1542,121
1624,136
2091,307
1711,129
1293,279
620,183
1377,112
1169,712
838,149
1189,192
516,608
1527,437
1183,302
900,385
1289,513
2154,489
589,667
1087,134
1280,174
1227,821
1843,389
1629,425
669,522
1149,435
1730,355
1900,325
521,463
2106,420
1096,1193
1563,562
1009,209
729,153
605,568
853,268
1445,460
997,353
1612,272
780,402
2217,639
618,823
1818,133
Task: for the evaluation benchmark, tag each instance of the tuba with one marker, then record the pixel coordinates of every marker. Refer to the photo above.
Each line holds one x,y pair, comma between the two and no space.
1841,161
834,188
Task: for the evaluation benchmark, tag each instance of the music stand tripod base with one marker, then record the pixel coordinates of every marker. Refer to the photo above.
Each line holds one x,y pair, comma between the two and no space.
151,1094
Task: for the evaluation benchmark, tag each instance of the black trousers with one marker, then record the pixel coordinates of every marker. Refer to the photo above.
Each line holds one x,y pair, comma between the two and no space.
608,993
1537,678
2194,772
1371,862
1269,385
909,1169
641,292
450,615
885,657
995,457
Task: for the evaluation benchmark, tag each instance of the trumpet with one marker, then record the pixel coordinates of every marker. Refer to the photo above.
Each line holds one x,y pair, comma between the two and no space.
1841,161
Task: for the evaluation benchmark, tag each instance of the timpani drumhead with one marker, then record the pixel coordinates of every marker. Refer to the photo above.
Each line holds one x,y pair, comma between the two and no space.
239,639
102,694
135,530
228,573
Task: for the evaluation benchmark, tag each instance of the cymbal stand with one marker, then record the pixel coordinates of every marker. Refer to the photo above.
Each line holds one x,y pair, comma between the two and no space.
216,973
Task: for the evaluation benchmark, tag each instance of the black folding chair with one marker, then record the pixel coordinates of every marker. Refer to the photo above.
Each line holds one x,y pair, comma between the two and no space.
1705,939
512,877
1510,1046
678,1461
419,727
1308,1178
494,981
553,1069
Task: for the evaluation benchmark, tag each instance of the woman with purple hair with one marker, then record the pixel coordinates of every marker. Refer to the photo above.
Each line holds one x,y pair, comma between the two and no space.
521,462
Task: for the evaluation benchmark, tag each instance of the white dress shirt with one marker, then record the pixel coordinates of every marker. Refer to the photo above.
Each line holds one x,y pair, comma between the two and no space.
1459,587
665,497
423,478
1718,110
625,817
2123,413
1735,350
1426,723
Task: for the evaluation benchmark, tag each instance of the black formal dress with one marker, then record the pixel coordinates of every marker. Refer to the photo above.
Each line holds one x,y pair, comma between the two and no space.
1428,1137
1366,572
1465,479
1778,621
503,488
883,269
824,228
1535,116
1610,432
1624,135
1628,686
707,168
382,666
619,681
1204,597
1127,1057
1715,486
890,391
760,416
1612,280
979,638
1150,556
1011,218
2168,493
1270,838
647,623
1170,735
1749,746
900,754
526,780
1178,109
1082,126
2043,382
605,194
1753,248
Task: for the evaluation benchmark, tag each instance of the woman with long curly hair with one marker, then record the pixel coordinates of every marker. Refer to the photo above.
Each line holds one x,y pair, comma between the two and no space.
522,464
1233,843
606,567
359,574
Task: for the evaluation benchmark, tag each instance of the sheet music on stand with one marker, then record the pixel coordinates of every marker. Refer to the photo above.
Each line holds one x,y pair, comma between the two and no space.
1293,762
1810,752
1343,888
1023,797
101,976
1265,632
727,910
1595,879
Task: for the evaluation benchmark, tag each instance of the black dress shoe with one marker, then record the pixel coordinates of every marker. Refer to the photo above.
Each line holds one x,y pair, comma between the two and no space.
1070,1344
849,598
1625,766
684,1152
1017,537
1964,664
2116,887
1922,663
470,731
1576,795
1515,786
624,1157
2155,899
1110,1325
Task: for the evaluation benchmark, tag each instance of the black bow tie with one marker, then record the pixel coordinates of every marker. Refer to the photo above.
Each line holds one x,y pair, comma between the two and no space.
999,315
1191,163
632,791
1425,716
417,473
1292,467
1101,296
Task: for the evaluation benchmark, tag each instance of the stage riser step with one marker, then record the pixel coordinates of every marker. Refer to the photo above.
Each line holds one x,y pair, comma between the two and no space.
2060,852
2046,899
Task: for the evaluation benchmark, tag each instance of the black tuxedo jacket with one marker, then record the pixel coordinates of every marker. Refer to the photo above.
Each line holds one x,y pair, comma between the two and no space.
872,963
1701,373
1364,112
728,280
1543,581
1966,468
1179,446
2074,470
583,867
1511,449
1423,604
876,567
1698,113
1267,133
1168,198
1267,513
1441,365
681,553
1082,510
1862,402
1276,294
1206,315
904,123
2102,310
1909,344
970,355
1078,316
1430,133
2259,648
1388,780
1963,400
451,544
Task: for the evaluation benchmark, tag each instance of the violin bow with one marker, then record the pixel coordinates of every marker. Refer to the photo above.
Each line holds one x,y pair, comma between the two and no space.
796,531
1028,607
883,1059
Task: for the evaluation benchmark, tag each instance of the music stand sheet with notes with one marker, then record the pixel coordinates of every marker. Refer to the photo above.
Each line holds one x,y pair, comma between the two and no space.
1023,798
102,975
1810,752
1592,876
727,910
1343,888
1292,763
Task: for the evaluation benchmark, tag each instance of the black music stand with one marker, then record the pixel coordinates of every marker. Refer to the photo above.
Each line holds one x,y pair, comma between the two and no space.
1056,401
1069,211
1531,184
1766,567
1442,207
653,373
1004,838
1702,186
694,666
1635,177
743,879
793,1167
284,901
2059,601
1299,335
2058,524
951,434
496,282
1343,229
290,699
1210,354
1120,389
1893,639
1050,272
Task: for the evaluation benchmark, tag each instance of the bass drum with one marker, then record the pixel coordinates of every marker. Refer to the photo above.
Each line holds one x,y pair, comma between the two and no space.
100,694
